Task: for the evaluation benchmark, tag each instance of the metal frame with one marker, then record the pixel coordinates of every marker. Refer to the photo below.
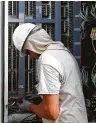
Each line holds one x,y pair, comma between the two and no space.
1,60
76,30
21,69
58,21
6,65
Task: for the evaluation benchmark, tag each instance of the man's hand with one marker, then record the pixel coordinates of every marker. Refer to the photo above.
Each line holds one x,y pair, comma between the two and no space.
24,105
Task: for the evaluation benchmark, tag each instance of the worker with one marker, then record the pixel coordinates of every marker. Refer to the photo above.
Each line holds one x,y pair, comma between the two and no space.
60,83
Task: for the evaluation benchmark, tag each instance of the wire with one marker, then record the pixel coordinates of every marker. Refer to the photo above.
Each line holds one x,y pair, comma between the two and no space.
82,16
93,37
86,12
93,46
93,76
13,105
28,116
85,76
93,11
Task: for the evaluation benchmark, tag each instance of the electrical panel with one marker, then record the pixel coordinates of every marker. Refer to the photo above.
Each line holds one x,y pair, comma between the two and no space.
66,24
88,56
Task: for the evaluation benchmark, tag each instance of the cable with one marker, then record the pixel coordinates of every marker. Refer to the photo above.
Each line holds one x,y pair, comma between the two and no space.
93,37
27,117
93,76
93,46
93,10
82,16
85,76
88,11
14,106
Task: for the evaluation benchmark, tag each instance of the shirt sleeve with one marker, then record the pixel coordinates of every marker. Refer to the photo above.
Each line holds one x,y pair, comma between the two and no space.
48,80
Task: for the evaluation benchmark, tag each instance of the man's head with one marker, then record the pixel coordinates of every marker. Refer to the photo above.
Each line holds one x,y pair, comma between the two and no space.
32,54
30,37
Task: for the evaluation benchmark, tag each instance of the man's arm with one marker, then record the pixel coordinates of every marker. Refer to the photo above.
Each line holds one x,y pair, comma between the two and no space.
49,108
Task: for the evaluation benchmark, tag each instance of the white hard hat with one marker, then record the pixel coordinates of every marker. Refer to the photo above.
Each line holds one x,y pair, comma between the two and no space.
20,35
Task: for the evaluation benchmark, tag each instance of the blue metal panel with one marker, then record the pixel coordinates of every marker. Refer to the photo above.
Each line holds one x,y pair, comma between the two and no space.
38,3
40,20
21,9
77,21
21,6
77,36
76,5
76,29
21,80
58,20
77,50
16,20
38,10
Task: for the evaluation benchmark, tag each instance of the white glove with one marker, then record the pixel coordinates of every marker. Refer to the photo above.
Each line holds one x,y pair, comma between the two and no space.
24,105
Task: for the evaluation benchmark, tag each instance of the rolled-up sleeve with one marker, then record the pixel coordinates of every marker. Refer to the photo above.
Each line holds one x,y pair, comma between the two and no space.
48,80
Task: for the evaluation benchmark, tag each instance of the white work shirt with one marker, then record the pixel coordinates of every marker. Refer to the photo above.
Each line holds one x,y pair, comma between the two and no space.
59,74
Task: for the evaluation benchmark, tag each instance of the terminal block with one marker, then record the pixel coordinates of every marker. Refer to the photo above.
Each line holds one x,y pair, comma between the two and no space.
13,59
64,39
30,9
30,75
64,26
53,9
50,28
13,8
48,9
64,12
45,10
